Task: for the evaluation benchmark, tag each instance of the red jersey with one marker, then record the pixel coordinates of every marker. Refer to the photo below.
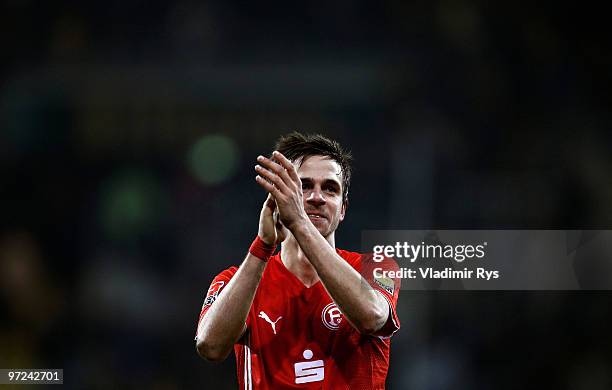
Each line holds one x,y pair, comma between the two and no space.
297,338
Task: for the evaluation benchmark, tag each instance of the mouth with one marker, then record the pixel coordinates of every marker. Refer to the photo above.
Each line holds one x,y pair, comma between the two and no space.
316,216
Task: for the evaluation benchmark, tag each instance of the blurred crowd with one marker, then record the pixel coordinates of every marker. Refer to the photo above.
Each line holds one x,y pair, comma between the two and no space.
129,131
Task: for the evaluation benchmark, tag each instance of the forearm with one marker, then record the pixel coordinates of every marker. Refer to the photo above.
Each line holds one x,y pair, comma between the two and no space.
363,306
225,321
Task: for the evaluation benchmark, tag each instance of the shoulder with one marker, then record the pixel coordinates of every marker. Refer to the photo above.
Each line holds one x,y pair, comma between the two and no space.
227,273
352,258
366,261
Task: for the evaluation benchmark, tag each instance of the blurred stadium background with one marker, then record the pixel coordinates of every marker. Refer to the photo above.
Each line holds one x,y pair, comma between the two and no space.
128,137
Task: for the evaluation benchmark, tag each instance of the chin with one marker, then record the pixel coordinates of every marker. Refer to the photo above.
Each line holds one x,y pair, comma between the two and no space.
323,227
323,230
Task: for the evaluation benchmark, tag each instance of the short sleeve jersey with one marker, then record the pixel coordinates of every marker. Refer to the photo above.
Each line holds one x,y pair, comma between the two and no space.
297,337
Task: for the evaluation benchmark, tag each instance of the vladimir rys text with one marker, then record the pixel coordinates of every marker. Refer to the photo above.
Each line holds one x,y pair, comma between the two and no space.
433,252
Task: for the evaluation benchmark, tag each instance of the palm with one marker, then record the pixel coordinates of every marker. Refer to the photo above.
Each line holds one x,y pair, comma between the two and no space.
271,229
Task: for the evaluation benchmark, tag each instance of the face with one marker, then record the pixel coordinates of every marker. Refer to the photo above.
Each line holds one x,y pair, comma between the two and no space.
322,188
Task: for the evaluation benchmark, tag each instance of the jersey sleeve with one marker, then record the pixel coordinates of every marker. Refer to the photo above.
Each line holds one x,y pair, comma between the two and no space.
381,276
216,287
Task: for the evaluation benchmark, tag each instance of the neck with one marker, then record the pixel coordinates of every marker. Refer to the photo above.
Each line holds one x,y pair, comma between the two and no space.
296,261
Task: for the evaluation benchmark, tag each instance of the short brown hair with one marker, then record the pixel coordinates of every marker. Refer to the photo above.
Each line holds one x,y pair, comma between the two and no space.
298,146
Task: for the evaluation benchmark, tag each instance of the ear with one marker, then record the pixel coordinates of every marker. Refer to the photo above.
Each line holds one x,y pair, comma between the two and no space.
343,210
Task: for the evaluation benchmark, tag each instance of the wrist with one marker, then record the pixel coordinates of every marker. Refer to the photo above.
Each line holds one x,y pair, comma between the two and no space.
265,240
260,249
299,225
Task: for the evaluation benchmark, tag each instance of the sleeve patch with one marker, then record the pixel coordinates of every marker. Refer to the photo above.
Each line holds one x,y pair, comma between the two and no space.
386,283
213,293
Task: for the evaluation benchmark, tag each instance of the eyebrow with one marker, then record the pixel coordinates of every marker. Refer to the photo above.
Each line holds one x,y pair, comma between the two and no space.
326,181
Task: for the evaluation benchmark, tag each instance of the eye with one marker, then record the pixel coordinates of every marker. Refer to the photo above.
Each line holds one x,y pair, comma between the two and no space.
306,185
331,189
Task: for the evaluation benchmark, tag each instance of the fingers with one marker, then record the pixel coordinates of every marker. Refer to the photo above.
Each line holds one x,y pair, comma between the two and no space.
284,161
277,169
277,178
280,229
272,190
269,205
270,202
271,177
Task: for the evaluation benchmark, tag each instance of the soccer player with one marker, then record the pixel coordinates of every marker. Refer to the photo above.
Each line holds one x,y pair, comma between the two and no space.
304,318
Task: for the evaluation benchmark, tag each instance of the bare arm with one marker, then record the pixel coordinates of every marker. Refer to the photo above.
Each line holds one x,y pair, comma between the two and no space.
363,307
225,321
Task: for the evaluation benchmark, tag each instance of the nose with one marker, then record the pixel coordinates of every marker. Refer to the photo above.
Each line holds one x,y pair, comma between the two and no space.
315,197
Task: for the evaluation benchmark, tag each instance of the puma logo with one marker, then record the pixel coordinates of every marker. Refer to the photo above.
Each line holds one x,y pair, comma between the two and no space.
267,319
